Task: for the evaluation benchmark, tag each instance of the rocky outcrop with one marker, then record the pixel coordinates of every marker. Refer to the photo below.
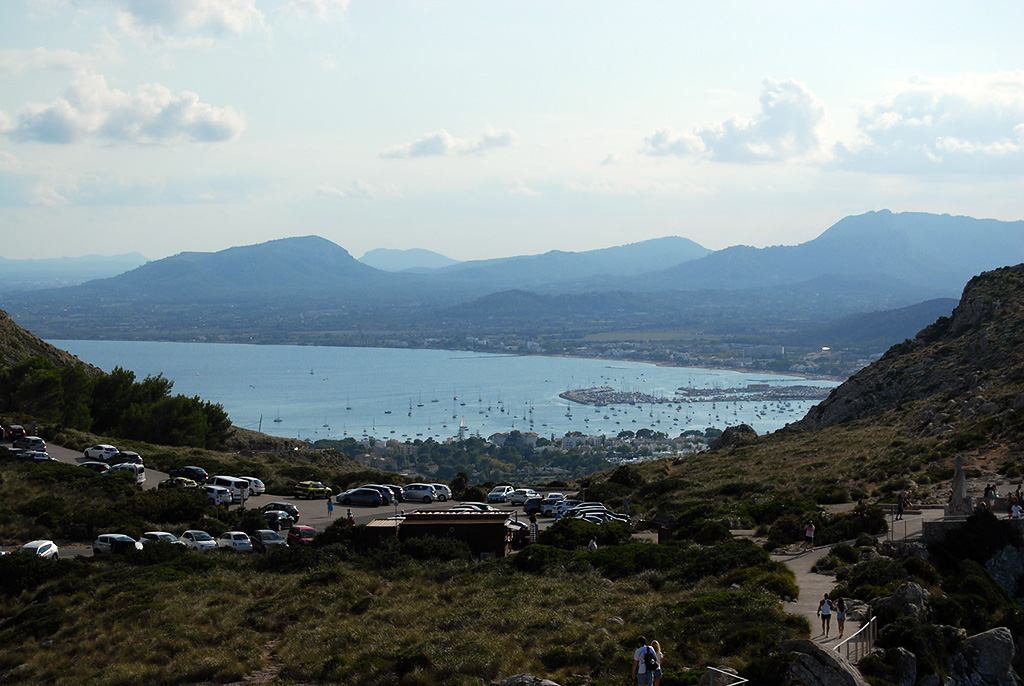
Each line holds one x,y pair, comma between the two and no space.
1007,568
523,680
732,436
985,659
910,599
815,665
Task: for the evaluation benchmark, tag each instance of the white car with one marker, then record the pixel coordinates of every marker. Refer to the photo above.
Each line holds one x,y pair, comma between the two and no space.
235,540
256,487
500,494
424,493
521,495
444,494
101,452
198,540
107,544
44,549
159,537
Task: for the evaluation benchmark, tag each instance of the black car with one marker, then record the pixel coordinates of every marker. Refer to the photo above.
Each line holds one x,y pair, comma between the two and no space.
287,507
263,540
278,519
14,432
533,505
125,457
197,474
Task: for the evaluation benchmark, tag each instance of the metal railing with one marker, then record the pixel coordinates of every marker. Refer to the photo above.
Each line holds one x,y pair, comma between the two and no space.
860,643
723,678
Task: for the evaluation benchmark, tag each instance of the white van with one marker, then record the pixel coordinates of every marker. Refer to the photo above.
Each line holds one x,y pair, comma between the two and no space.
135,469
218,495
239,488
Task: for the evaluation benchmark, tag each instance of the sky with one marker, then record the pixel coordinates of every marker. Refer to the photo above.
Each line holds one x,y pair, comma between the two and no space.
482,129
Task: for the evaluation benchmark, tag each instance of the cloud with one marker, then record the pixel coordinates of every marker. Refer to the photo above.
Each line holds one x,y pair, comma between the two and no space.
20,62
787,128
153,115
443,143
524,190
972,123
156,20
357,190
321,9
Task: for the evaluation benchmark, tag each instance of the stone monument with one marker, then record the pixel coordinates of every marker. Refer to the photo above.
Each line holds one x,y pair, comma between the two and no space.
959,504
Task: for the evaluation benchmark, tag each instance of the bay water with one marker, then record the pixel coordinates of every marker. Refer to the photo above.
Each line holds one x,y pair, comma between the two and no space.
314,393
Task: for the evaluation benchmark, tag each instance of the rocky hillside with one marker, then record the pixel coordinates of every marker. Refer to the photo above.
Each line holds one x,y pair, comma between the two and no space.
963,374
16,344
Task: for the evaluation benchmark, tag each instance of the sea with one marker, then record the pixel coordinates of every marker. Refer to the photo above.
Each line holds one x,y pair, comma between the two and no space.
313,392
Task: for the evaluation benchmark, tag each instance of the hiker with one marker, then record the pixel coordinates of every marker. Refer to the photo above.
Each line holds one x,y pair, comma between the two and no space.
645,663
825,608
330,508
660,655
592,546
840,615
899,508
809,536
351,519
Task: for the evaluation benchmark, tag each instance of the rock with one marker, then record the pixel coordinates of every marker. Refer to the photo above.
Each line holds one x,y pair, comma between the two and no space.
818,666
732,436
1006,566
857,610
523,680
715,677
987,658
910,598
616,620
901,550
904,666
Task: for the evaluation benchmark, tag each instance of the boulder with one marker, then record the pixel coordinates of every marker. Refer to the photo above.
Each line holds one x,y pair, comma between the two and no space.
986,659
904,666
720,676
1006,567
523,680
909,598
815,665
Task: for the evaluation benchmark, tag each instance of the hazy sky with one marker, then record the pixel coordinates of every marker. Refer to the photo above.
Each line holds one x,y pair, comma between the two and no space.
481,128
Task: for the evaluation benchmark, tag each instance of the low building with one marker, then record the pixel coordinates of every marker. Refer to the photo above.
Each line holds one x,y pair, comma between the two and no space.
487,534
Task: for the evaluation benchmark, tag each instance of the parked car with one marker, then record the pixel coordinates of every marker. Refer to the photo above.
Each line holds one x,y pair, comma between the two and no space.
96,466
549,502
361,496
178,482
278,519
198,540
263,540
559,508
137,471
14,432
235,540
444,494
312,489
386,493
101,452
533,505
420,493
521,495
287,507
107,544
301,535
217,495
197,474
30,443
159,537
398,491
45,549
500,494
470,505
125,457
256,486
34,456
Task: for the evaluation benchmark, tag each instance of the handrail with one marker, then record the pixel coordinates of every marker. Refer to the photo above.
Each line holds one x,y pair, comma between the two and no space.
862,645
737,677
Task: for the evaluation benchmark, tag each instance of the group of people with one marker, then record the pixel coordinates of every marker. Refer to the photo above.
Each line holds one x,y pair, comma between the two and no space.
1015,508
828,607
647,662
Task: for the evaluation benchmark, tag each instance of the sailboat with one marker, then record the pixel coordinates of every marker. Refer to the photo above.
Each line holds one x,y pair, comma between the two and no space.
277,419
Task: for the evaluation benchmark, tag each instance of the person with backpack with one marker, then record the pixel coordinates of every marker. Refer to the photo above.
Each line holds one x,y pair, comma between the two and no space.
645,663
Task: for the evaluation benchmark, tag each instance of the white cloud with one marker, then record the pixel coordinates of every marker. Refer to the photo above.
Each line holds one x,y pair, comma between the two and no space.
968,123
788,127
6,123
154,115
610,159
321,9
443,143
20,62
524,190
357,190
157,20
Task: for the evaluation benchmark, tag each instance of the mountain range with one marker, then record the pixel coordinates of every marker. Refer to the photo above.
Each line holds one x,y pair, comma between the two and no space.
308,289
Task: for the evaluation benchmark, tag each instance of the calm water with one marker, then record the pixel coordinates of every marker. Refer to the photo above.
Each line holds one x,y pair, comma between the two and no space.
322,392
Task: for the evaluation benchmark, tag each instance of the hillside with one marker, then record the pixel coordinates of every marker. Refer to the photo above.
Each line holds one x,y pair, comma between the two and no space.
17,344
413,259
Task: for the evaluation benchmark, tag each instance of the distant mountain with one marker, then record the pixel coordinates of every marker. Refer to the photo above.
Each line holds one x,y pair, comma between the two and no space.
556,266
412,259
938,253
873,330
965,370
21,275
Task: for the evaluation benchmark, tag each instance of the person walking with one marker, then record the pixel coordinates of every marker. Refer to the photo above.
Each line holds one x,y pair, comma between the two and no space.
645,663
660,655
825,608
330,508
809,536
840,615
351,519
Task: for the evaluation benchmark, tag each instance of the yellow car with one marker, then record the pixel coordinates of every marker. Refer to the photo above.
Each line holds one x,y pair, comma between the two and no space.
312,489
178,482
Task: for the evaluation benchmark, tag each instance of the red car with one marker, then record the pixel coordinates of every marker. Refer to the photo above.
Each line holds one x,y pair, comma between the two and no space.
301,535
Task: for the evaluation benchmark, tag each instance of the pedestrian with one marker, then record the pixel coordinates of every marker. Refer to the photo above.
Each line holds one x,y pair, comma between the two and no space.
330,508
809,536
825,608
351,519
592,546
534,529
840,615
645,663
1015,511
661,656
899,507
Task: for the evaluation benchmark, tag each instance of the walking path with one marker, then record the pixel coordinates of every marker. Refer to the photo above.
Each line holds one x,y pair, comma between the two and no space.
814,586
